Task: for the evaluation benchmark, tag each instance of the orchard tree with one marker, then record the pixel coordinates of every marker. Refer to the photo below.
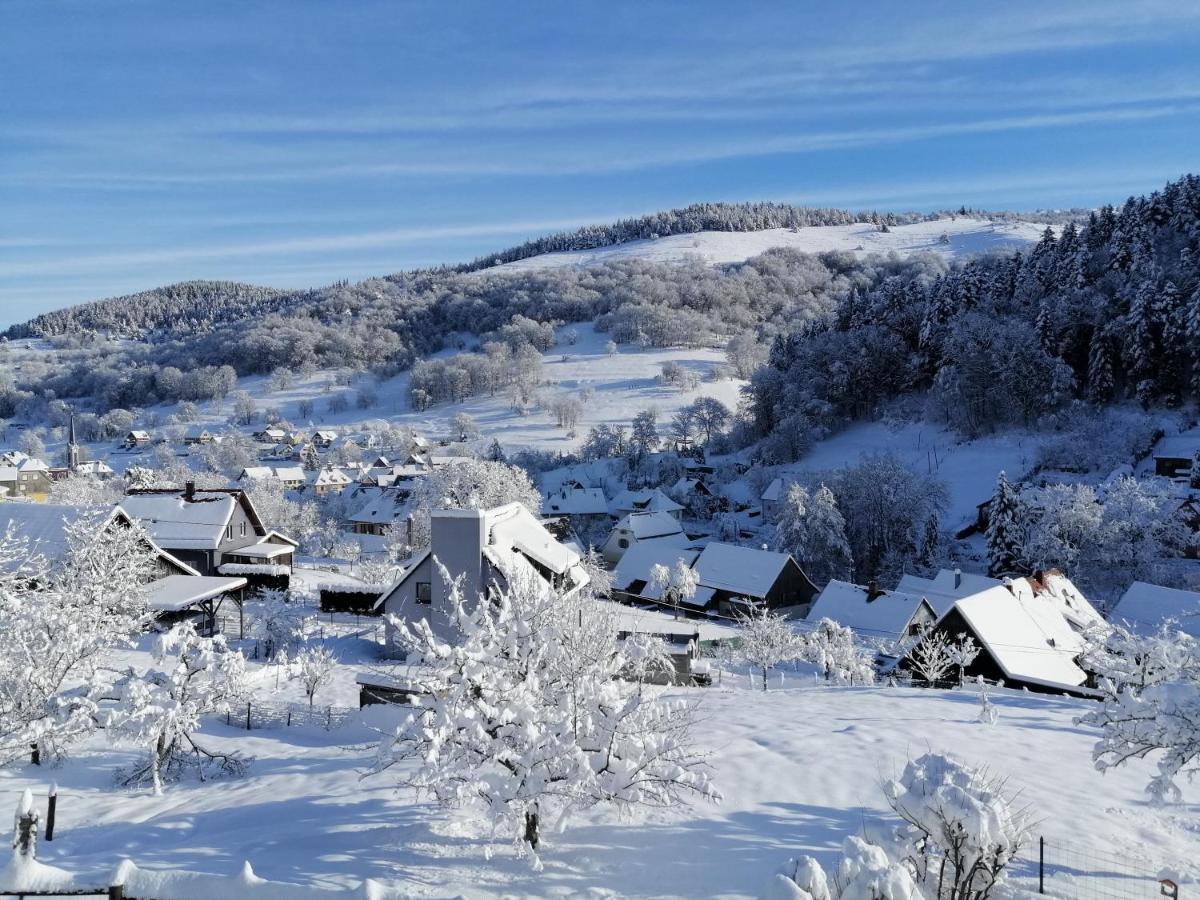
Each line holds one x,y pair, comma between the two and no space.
161,709
676,585
766,640
314,667
527,718
474,484
832,648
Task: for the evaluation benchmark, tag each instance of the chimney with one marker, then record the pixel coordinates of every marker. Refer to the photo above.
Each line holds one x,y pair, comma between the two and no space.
189,490
873,590
958,578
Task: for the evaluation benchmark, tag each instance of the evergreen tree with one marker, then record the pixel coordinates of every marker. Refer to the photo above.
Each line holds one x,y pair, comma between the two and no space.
1005,531
1100,367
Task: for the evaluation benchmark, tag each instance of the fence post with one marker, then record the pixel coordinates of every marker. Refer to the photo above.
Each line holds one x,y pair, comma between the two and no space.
51,809
1041,865
247,715
328,718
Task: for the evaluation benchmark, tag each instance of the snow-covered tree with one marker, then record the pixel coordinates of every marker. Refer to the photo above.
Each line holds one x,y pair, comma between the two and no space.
766,640
475,484
526,717
961,829
313,667
1150,704
86,492
832,648
930,658
810,527
677,584
161,709
56,624
1006,528
278,621
962,653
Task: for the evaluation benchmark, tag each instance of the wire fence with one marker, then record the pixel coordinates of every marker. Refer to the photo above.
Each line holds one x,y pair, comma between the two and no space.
1064,869
260,714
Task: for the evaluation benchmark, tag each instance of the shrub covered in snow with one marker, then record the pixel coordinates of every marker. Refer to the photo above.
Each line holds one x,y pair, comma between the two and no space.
832,648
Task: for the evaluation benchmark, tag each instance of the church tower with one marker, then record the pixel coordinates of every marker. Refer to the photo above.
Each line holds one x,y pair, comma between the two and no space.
72,447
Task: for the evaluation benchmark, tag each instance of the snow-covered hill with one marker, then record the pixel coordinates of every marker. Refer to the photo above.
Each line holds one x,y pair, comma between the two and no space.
949,237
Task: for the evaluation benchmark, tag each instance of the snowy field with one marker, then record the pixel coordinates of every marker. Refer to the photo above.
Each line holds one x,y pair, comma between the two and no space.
618,386
967,237
799,769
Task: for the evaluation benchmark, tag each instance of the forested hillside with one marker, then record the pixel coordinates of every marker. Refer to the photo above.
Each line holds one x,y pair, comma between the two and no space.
1107,311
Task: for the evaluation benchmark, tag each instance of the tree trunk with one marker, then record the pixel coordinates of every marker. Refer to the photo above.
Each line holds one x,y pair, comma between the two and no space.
764,671
531,830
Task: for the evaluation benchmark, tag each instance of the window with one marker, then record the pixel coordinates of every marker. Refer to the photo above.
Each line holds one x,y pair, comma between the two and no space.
424,596
243,527
228,531
623,543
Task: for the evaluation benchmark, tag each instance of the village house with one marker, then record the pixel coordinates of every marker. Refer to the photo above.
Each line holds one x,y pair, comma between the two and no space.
576,501
1175,455
291,477
485,549
651,500
773,496
383,511
329,480
212,529
872,612
94,468
1024,642
272,434
26,477
658,528
136,439
198,434
730,579
324,437
176,591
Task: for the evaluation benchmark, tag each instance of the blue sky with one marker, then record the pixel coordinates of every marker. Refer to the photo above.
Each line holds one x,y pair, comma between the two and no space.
293,143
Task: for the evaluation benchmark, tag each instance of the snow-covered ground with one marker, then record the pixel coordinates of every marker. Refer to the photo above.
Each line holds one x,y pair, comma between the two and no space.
966,236
799,769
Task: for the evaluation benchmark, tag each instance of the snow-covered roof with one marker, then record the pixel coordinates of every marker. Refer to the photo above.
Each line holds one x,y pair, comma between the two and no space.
638,560
139,435
575,502
775,490
647,525
1030,641
43,525
514,526
8,473
32,464
176,592
887,615
651,501
94,467
325,434
174,521
262,550
388,506
1178,446
1058,590
1143,607
329,475
747,571
664,624
196,431
439,461
255,473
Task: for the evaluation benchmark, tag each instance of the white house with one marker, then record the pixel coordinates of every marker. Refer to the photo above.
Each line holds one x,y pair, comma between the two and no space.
642,527
291,477
873,613
575,501
329,480
485,549
1144,607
